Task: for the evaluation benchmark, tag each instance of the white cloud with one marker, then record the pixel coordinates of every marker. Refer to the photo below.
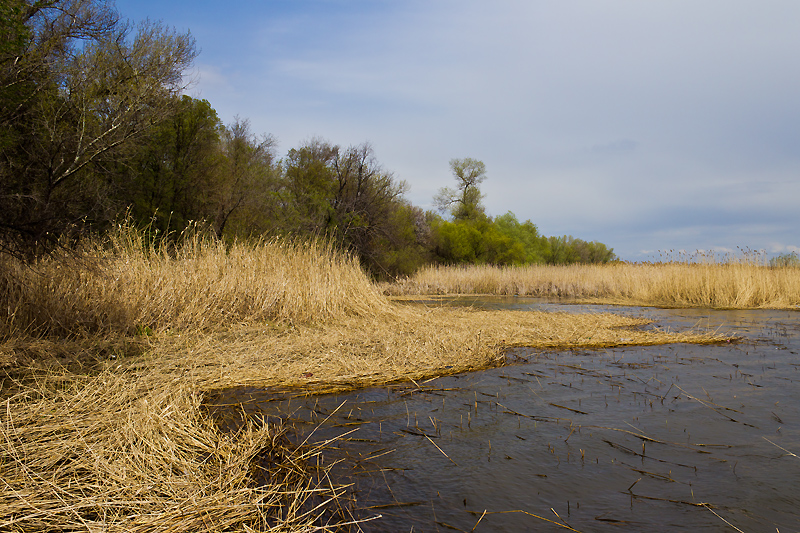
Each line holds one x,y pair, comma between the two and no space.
647,125
779,248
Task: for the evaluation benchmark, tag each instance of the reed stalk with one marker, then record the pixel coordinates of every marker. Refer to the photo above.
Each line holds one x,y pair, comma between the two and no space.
729,284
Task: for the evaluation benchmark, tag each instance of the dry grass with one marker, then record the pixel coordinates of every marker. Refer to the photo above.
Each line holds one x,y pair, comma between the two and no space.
106,453
127,446
123,284
411,344
725,284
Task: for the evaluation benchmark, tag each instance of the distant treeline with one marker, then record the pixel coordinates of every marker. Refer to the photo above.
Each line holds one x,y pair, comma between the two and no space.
94,126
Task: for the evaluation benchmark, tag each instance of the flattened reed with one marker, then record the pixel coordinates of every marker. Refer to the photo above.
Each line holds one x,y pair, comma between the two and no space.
719,284
115,453
414,343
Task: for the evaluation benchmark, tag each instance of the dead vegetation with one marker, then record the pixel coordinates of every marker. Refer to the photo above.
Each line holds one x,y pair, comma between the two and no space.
692,282
102,427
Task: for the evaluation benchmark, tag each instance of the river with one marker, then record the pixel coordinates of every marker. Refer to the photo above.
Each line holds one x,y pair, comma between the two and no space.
664,438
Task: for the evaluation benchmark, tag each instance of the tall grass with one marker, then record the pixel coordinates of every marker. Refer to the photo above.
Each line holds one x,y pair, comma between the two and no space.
718,284
125,283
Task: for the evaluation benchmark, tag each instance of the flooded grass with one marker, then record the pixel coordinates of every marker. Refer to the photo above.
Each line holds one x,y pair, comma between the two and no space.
692,281
672,437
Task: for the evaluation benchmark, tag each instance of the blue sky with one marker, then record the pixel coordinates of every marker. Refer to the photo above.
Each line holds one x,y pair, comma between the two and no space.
646,125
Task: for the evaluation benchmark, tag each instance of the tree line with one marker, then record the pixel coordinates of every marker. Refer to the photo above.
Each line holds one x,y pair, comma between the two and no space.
94,124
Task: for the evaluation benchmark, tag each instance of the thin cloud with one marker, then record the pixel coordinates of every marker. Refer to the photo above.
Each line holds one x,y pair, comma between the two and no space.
644,125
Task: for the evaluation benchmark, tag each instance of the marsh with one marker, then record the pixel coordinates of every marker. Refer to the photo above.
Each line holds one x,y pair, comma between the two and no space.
675,436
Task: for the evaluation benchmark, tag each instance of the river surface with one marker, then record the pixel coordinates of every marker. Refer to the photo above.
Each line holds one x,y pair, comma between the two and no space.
664,438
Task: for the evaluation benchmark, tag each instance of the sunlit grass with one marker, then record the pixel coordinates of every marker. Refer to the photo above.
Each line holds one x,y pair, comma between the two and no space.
123,284
723,283
112,436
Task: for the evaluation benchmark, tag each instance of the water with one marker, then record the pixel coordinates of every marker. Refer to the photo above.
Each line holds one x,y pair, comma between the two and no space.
675,437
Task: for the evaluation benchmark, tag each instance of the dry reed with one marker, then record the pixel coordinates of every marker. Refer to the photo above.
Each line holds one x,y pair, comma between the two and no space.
114,453
124,284
127,446
730,284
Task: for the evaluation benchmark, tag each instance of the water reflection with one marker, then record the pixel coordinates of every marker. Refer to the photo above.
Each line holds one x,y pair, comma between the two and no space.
649,438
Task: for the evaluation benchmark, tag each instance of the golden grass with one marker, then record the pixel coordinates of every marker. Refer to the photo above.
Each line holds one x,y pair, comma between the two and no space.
127,445
106,453
730,284
123,284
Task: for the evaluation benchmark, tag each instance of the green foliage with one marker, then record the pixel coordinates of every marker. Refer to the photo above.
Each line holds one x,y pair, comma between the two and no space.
173,167
190,167
14,38
346,194
567,250
463,202
477,241
785,260
309,186
459,242
536,248
243,200
402,247
505,241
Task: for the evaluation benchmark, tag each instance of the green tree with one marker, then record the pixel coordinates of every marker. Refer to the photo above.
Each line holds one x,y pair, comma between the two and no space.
348,196
171,170
568,250
246,186
459,242
534,245
17,76
309,186
477,241
403,244
77,86
463,202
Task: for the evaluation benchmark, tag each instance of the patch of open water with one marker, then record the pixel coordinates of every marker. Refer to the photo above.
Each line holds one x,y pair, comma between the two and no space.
675,437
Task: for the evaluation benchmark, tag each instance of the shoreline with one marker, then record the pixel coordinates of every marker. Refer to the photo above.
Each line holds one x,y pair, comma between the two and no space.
137,428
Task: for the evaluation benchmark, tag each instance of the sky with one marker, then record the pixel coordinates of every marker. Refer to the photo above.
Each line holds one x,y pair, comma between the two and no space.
649,126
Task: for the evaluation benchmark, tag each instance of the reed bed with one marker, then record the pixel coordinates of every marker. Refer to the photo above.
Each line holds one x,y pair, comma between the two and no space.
730,284
125,284
114,453
122,443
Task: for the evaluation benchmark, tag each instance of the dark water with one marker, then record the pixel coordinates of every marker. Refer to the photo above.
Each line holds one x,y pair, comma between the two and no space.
664,438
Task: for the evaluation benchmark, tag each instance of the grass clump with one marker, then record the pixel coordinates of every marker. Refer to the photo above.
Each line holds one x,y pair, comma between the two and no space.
124,284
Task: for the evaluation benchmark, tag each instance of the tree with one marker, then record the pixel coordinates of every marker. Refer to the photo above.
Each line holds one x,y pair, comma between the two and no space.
463,202
308,187
77,86
348,196
246,182
166,178
566,250
535,246
365,199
